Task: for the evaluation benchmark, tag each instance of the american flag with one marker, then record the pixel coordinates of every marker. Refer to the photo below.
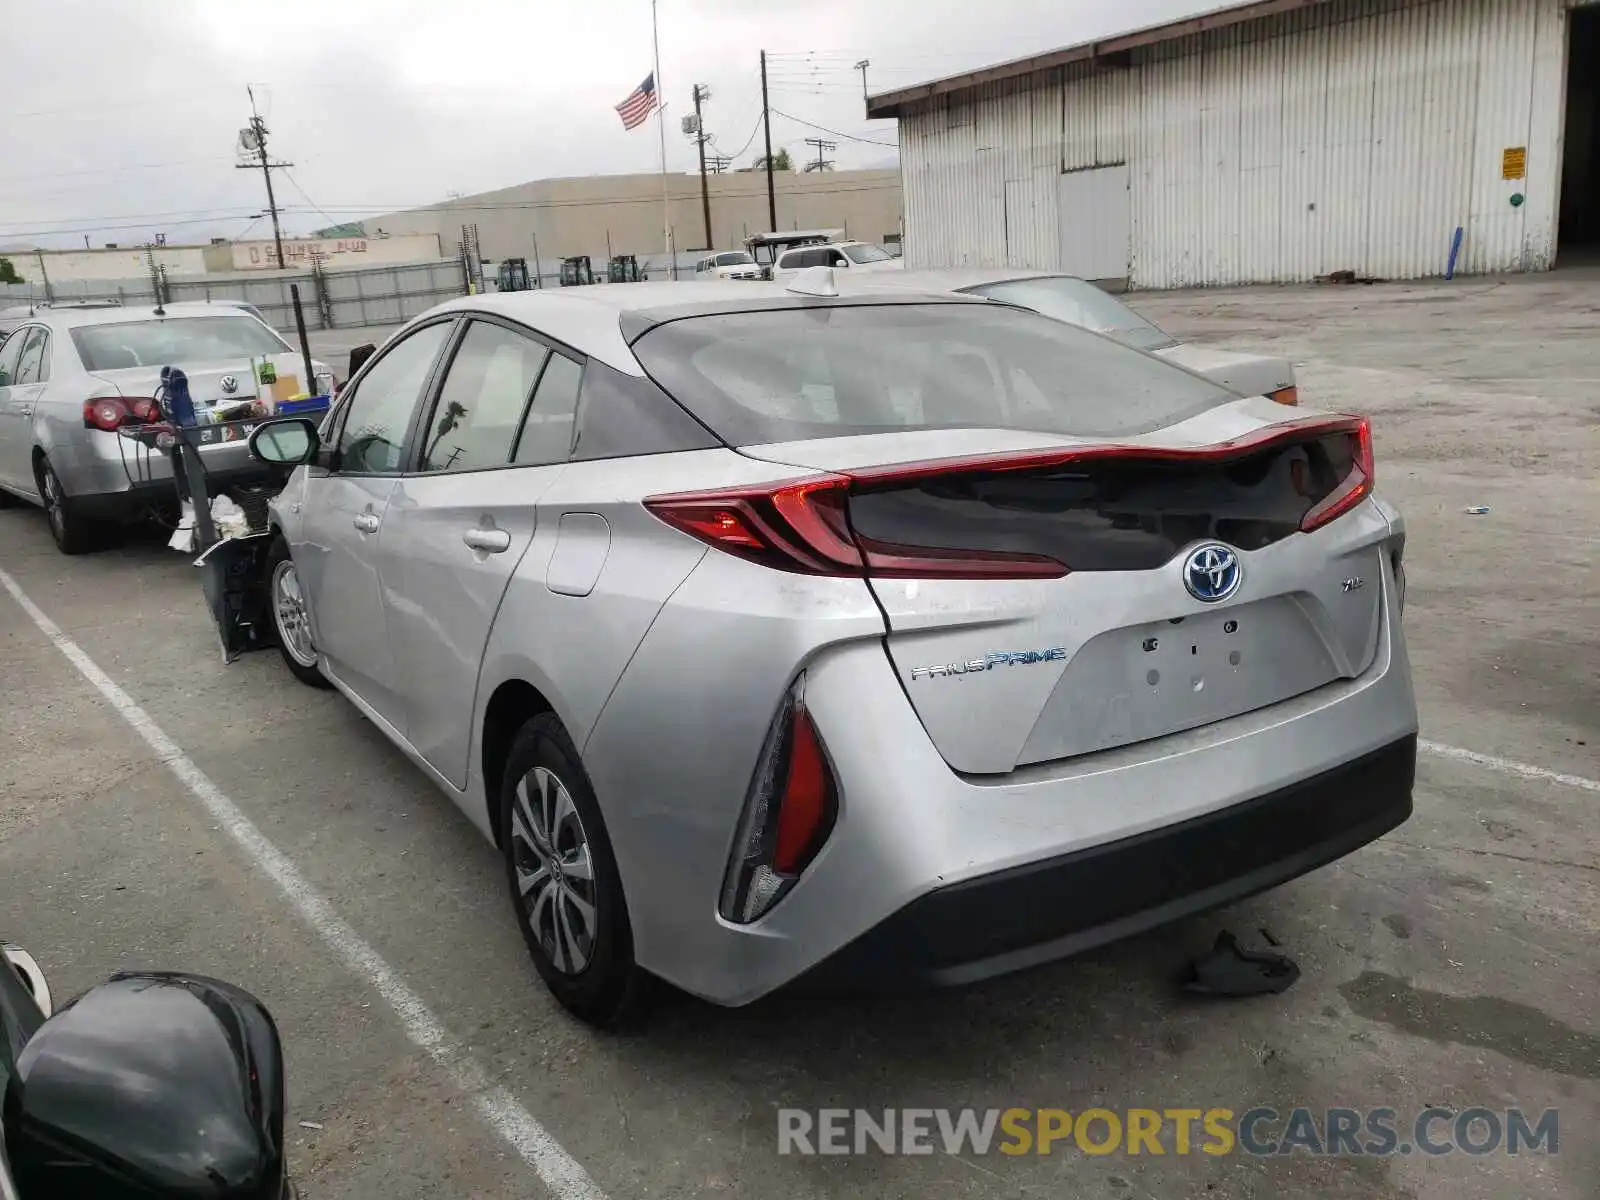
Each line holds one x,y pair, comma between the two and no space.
641,102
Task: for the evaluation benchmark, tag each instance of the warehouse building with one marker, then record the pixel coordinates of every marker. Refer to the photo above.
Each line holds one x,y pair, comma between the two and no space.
602,215
1271,142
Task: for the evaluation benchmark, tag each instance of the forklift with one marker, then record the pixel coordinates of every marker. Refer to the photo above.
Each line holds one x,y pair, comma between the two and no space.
513,275
575,271
624,268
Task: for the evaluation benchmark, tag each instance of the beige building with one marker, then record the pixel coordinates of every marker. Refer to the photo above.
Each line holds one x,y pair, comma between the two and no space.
133,262
622,214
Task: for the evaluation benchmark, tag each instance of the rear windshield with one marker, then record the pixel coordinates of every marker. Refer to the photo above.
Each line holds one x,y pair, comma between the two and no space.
831,371
734,258
1079,302
866,253
175,340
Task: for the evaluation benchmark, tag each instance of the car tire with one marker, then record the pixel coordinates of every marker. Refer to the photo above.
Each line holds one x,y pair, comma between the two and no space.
291,619
72,532
587,964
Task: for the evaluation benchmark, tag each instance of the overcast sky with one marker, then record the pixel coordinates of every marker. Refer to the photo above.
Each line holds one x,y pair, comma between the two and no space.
121,117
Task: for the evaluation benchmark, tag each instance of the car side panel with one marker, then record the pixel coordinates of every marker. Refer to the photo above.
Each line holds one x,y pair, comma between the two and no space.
574,647
441,594
674,752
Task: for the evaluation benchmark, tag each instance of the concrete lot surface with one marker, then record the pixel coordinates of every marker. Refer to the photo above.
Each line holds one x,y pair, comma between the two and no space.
1455,962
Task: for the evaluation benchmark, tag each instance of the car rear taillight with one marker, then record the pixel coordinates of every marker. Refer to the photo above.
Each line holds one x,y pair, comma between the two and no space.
806,525
1354,487
800,525
111,413
788,814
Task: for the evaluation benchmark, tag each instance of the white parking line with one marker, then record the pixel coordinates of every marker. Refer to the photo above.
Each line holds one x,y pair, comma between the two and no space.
559,1170
1508,765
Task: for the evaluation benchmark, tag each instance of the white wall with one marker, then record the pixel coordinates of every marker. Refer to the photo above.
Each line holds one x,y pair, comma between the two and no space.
71,266
1350,136
74,266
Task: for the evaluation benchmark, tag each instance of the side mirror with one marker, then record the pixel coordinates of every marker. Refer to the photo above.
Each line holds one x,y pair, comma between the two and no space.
148,1086
285,443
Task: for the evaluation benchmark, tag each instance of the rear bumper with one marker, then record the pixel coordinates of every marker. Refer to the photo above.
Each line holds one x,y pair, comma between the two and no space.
1061,906
1118,840
108,477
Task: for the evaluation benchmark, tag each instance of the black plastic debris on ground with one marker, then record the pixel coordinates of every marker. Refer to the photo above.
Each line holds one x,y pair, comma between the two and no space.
1228,969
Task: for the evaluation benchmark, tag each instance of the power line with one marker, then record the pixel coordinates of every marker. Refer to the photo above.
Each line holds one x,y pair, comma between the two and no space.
306,197
181,162
847,136
220,212
376,210
754,129
215,217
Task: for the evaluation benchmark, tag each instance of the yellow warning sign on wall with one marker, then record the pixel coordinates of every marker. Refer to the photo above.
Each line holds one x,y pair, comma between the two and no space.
1514,162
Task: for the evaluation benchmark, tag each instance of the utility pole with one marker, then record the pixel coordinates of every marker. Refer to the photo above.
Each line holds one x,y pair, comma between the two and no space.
701,93
766,122
862,67
49,295
254,139
822,164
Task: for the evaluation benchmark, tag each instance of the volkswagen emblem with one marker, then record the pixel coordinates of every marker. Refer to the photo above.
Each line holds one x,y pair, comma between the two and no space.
1212,572
230,384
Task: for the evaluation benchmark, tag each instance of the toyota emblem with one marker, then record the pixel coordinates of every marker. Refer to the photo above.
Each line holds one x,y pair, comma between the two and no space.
1212,572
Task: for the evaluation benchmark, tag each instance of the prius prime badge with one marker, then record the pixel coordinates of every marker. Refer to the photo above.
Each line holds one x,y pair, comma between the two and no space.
1212,572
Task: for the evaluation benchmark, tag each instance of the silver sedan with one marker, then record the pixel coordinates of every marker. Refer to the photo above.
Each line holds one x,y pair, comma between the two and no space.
74,379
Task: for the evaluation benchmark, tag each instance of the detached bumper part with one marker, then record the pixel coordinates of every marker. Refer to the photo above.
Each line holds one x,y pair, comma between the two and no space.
1047,910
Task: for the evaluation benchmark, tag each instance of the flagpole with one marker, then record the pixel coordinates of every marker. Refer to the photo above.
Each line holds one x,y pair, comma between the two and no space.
661,130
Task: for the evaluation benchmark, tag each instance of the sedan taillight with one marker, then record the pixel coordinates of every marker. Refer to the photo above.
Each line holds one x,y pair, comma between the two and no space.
111,413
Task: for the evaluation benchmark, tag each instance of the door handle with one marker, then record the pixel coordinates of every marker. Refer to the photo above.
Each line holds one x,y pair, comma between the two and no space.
26,410
490,541
367,522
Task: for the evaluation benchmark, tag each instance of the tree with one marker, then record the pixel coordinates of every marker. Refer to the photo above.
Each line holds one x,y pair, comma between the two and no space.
780,162
8,273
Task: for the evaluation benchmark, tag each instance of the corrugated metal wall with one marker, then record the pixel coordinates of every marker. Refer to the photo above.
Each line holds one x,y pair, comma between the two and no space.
1354,135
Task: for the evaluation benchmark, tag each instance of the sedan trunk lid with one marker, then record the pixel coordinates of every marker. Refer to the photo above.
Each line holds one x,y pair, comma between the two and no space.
1134,590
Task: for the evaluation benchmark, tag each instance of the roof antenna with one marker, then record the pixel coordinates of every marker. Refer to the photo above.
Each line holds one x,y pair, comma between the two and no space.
814,281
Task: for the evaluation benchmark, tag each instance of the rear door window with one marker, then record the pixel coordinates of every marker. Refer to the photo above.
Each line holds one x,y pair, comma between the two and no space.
33,366
836,370
10,352
547,430
475,420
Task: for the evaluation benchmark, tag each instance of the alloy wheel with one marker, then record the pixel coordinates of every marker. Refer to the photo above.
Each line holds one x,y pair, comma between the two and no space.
289,611
51,486
554,870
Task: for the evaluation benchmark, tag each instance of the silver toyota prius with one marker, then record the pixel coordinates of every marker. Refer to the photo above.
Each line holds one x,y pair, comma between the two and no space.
778,637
